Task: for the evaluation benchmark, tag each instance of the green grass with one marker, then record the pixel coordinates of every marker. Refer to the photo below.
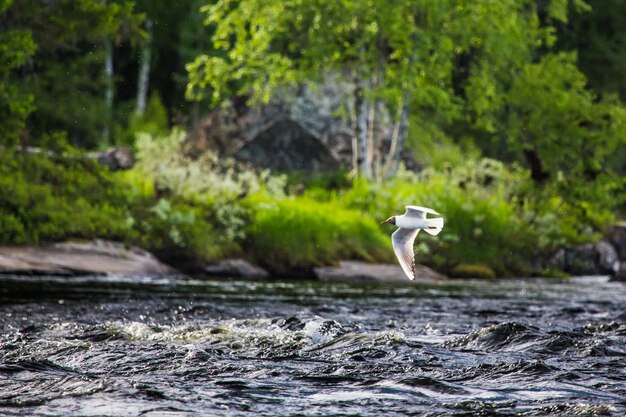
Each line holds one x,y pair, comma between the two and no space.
301,233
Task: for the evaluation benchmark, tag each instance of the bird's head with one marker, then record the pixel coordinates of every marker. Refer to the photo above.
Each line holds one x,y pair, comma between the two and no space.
391,220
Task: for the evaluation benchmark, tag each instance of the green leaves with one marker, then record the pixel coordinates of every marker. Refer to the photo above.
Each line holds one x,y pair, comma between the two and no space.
553,115
15,47
62,87
301,233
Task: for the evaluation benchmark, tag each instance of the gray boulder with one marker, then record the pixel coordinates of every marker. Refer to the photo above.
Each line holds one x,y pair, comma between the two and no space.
591,259
287,146
235,268
355,271
608,260
617,236
80,258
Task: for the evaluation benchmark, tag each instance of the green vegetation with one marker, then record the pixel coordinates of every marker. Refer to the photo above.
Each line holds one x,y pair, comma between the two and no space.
472,271
521,135
298,233
44,199
183,212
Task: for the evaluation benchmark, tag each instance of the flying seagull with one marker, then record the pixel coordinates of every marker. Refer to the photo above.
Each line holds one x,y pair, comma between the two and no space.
409,224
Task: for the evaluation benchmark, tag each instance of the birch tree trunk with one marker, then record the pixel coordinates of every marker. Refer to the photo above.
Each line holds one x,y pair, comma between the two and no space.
380,124
371,117
398,137
378,121
355,138
361,131
144,71
108,95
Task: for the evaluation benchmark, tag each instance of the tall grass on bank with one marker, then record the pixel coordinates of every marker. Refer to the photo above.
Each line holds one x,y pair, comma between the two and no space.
298,233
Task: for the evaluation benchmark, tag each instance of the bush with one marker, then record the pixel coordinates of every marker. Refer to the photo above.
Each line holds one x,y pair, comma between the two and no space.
176,232
206,195
207,177
482,223
153,122
301,233
472,271
493,215
52,199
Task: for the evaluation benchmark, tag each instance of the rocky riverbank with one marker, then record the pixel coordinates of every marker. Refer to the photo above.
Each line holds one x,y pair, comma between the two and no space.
80,258
105,257
606,257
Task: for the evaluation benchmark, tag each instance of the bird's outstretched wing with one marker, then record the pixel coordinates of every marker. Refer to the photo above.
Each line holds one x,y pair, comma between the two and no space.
419,211
402,240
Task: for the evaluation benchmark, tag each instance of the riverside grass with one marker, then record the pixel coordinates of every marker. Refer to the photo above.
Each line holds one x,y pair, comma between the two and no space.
302,232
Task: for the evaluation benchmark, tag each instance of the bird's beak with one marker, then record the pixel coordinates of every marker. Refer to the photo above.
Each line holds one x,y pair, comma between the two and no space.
386,221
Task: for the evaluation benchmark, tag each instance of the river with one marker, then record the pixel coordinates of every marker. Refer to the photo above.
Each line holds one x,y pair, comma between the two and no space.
129,346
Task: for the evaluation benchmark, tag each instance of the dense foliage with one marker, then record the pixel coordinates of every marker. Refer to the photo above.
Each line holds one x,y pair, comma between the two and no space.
485,68
520,133
46,199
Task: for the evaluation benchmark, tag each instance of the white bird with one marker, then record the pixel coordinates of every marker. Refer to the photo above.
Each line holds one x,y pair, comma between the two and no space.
409,225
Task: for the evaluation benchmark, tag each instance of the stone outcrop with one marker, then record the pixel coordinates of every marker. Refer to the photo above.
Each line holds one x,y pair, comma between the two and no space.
354,271
80,258
287,146
116,158
599,258
300,132
235,268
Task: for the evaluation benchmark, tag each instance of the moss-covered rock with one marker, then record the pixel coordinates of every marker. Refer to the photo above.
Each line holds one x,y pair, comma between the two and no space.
464,270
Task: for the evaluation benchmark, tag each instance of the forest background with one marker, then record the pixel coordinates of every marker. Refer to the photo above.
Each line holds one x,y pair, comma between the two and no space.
513,111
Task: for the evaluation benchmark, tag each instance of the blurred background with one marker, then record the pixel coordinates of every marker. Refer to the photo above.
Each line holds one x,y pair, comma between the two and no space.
282,132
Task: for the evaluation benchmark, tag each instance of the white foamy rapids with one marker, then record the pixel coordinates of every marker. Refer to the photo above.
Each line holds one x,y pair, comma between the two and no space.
319,330
254,331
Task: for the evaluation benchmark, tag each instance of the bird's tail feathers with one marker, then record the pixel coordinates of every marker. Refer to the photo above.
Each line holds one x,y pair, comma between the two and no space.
434,226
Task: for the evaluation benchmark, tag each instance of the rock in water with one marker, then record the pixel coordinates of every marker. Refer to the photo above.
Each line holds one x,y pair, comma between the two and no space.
355,271
599,258
80,258
236,268
617,236
608,260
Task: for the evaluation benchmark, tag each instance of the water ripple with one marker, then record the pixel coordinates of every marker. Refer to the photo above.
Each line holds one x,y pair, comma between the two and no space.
117,346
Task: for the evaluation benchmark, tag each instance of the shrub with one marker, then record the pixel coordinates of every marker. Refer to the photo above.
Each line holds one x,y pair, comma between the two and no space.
51,199
494,215
301,233
217,185
176,232
207,177
472,271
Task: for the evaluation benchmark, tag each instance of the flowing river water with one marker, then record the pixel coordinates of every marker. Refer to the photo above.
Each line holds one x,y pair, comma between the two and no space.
129,346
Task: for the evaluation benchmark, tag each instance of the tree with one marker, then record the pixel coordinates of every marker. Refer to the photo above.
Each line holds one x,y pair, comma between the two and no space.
597,34
16,46
443,62
565,132
66,77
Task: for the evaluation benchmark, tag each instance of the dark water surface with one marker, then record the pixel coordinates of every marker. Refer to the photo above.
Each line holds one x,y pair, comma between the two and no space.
118,346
